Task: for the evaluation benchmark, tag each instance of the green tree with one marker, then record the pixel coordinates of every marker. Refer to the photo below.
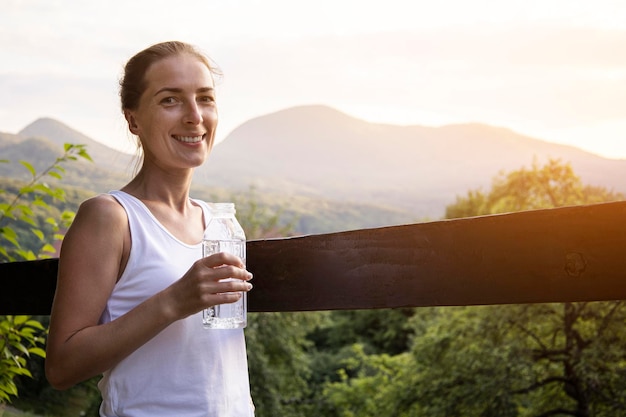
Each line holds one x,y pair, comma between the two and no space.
520,360
552,185
22,336
560,339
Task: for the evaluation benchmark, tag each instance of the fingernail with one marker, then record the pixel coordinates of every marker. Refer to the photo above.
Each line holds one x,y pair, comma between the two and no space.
248,286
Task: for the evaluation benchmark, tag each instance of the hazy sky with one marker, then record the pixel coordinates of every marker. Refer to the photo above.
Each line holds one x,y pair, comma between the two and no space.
552,69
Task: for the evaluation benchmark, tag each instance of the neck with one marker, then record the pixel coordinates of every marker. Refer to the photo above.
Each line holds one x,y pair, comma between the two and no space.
169,188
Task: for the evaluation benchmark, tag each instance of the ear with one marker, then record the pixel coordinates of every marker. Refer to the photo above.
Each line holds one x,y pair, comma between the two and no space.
132,123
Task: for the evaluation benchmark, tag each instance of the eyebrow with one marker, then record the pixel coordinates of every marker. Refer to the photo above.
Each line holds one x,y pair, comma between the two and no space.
180,90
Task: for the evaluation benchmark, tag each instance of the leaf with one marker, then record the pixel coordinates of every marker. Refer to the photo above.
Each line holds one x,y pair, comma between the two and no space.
52,221
68,215
38,351
11,388
26,189
21,348
9,235
35,324
48,248
27,333
19,320
55,175
38,233
27,255
43,188
25,209
40,203
30,168
20,371
28,219
83,153
3,396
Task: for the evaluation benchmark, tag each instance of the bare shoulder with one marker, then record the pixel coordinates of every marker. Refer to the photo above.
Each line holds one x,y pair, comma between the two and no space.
97,240
98,218
102,210
102,205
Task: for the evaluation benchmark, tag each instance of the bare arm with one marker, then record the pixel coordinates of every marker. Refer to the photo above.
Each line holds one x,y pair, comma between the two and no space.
92,257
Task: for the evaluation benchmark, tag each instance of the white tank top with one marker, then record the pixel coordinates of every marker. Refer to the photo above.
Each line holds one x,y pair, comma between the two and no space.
186,370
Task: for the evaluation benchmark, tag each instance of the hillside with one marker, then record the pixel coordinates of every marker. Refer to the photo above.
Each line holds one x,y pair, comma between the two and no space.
321,152
41,152
59,134
311,159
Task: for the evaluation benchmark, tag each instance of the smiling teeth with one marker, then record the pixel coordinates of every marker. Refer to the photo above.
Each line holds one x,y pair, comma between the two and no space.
189,139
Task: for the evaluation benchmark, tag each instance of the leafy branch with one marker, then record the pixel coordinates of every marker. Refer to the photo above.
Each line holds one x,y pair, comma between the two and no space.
37,190
23,336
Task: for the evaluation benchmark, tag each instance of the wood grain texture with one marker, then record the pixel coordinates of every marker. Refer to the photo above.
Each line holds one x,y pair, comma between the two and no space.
556,255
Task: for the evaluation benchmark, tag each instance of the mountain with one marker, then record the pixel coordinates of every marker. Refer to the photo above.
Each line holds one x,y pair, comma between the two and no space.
321,152
60,134
41,142
308,154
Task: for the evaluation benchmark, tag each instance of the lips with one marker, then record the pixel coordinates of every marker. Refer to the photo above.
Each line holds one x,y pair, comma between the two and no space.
189,139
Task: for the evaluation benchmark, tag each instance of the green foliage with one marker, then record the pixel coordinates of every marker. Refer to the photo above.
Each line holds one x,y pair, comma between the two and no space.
504,361
379,331
551,185
20,337
260,221
278,361
26,206
21,205
367,383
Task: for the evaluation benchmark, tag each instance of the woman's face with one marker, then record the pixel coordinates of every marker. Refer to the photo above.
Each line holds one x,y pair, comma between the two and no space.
177,114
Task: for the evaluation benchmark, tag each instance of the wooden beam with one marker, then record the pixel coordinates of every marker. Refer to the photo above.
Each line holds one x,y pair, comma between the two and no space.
28,287
556,255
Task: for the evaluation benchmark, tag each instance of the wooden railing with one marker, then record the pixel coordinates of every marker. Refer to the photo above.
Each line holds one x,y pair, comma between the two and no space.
556,255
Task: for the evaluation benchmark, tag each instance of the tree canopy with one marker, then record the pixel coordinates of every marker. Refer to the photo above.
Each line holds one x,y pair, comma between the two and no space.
519,360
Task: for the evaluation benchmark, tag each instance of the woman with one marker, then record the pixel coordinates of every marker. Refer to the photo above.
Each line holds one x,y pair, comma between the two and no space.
131,283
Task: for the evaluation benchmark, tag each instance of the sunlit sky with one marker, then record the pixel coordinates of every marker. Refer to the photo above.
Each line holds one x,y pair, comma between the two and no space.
551,69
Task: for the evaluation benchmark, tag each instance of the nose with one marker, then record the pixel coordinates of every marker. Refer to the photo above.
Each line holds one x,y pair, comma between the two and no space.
193,115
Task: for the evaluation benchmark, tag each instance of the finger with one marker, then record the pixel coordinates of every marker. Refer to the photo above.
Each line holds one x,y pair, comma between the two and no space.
234,286
228,271
228,297
222,258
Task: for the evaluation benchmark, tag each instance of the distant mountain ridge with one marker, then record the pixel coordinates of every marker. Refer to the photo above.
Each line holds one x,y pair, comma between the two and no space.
319,152
60,134
323,152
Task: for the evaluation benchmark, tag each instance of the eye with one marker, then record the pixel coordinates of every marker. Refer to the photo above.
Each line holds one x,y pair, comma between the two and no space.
169,100
206,99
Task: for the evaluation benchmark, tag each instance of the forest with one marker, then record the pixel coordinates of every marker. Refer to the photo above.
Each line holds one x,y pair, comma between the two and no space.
519,360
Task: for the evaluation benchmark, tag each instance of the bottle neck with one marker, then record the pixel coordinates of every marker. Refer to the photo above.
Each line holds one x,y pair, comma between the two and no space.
223,209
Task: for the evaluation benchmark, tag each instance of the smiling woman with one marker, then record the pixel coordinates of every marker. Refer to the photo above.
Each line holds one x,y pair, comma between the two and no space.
131,280
180,89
